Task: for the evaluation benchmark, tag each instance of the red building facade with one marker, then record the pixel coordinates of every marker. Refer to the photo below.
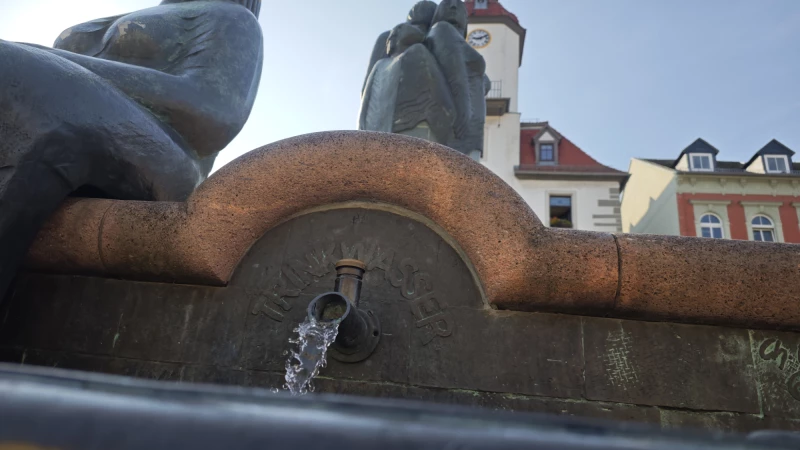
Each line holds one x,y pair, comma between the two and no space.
787,206
699,195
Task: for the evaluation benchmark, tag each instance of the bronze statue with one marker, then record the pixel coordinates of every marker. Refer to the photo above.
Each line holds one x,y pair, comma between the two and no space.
426,81
135,106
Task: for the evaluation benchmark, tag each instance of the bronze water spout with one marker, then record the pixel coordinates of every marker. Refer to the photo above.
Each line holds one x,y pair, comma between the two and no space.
359,330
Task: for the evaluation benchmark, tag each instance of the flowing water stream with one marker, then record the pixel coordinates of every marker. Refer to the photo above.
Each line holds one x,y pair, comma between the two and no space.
307,356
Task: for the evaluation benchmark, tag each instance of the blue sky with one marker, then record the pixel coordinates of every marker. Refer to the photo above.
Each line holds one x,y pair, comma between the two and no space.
620,78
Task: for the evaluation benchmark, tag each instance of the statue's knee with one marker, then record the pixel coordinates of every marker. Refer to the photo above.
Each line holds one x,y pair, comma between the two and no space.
12,57
417,50
444,28
8,48
5,47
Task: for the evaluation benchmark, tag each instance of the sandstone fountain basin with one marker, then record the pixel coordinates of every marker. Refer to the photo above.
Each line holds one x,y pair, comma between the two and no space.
478,302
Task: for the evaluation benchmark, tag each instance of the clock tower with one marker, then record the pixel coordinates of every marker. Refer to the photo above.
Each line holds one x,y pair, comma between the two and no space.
499,38
497,35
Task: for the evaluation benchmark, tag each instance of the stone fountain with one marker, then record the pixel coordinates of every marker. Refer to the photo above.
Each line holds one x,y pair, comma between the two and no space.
450,289
478,302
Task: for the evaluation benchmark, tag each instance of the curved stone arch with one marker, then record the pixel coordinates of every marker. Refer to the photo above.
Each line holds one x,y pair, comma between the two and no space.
485,217
201,241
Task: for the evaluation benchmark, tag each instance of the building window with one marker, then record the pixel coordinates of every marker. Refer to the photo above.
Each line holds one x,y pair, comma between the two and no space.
547,153
763,229
701,162
711,226
481,4
561,211
777,164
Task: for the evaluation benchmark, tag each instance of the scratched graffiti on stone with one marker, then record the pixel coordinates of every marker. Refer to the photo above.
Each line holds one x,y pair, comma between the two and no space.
616,360
275,296
773,350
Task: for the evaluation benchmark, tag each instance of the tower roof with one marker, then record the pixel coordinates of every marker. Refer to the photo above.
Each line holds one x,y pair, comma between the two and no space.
494,9
496,13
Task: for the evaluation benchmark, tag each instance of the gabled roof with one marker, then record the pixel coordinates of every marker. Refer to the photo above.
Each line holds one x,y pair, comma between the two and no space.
773,147
496,13
698,146
729,167
573,162
547,128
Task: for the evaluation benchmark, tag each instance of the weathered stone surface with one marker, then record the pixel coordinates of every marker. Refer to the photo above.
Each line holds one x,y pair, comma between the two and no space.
266,380
148,321
202,327
214,375
547,359
92,314
34,312
72,233
663,364
715,281
777,361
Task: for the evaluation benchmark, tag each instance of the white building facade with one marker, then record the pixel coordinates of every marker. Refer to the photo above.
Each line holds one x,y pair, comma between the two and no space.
564,186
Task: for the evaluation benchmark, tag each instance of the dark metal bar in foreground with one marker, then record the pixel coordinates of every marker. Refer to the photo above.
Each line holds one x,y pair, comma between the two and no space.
62,409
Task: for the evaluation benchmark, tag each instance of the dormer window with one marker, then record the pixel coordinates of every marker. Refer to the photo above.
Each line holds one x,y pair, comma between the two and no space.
545,145
547,153
481,4
776,163
701,162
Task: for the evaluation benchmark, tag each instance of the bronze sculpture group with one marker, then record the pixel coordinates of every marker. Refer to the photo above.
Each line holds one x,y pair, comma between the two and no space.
137,106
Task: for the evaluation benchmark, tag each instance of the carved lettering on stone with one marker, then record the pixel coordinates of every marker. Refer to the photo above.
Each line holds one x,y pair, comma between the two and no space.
415,285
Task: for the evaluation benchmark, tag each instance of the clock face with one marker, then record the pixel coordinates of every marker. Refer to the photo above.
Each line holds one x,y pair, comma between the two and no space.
479,38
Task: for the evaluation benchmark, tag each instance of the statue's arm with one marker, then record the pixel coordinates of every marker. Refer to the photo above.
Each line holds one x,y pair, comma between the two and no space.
366,96
443,41
159,90
378,53
207,96
86,38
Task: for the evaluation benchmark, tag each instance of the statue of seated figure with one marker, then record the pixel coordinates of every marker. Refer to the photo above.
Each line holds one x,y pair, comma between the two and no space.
394,102
429,82
134,107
